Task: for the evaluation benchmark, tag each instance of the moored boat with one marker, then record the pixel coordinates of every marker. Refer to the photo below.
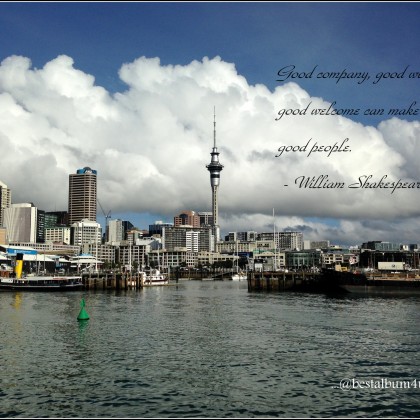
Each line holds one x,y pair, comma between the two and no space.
42,283
239,276
153,278
402,283
385,285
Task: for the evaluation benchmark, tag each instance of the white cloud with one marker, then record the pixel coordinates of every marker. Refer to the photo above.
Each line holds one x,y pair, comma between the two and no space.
150,145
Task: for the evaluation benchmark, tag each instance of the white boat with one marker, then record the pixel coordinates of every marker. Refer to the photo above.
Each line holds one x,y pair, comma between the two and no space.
153,278
239,276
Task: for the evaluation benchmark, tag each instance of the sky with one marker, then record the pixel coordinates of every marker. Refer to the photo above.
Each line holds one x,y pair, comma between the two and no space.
129,89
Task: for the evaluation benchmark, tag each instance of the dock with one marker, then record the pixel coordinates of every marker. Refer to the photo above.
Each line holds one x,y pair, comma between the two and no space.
104,281
281,281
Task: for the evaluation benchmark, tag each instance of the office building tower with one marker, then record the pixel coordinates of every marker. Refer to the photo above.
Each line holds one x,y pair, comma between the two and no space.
5,200
40,227
115,231
82,195
56,218
86,232
215,167
157,227
21,222
206,218
127,226
187,217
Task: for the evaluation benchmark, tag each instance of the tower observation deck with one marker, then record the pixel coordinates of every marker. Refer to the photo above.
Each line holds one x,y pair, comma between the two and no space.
215,167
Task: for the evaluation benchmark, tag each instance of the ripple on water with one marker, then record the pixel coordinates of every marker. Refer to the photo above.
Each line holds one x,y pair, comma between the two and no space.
206,349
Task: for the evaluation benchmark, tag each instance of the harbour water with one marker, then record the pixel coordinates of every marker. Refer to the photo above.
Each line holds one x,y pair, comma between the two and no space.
208,349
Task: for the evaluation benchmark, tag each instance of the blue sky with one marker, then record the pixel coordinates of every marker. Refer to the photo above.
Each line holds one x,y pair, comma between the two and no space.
257,38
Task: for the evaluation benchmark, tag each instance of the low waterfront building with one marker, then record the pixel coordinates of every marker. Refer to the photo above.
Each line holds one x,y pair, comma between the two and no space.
208,259
303,259
370,258
85,263
331,259
49,247
268,261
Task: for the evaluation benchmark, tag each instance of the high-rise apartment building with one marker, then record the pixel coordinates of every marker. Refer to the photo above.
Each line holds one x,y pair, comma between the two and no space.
5,200
82,195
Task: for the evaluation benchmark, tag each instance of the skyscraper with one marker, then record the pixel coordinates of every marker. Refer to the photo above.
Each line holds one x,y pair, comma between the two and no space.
82,195
5,201
21,222
215,167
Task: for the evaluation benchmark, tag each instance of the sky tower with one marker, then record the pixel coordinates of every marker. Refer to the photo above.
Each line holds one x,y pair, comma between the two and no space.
215,167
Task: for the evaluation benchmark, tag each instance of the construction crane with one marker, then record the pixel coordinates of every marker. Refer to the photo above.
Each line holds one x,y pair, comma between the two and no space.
107,217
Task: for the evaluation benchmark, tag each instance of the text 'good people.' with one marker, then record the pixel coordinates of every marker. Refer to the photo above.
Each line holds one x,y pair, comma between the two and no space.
337,147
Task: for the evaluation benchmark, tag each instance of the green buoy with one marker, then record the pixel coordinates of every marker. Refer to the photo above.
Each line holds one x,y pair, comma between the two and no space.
83,315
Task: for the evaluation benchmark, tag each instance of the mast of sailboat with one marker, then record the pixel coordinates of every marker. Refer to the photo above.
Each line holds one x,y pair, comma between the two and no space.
129,256
96,249
275,246
237,255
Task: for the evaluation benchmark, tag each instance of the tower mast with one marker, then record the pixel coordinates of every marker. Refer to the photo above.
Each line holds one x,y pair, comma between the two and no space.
215,167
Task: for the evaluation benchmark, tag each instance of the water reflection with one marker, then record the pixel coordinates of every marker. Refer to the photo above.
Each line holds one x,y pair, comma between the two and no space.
17,301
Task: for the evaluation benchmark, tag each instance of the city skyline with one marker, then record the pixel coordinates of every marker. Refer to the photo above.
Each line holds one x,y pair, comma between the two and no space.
129,89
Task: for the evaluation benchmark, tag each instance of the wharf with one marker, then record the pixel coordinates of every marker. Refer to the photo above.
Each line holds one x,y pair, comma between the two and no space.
116,281
302,281
124,281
